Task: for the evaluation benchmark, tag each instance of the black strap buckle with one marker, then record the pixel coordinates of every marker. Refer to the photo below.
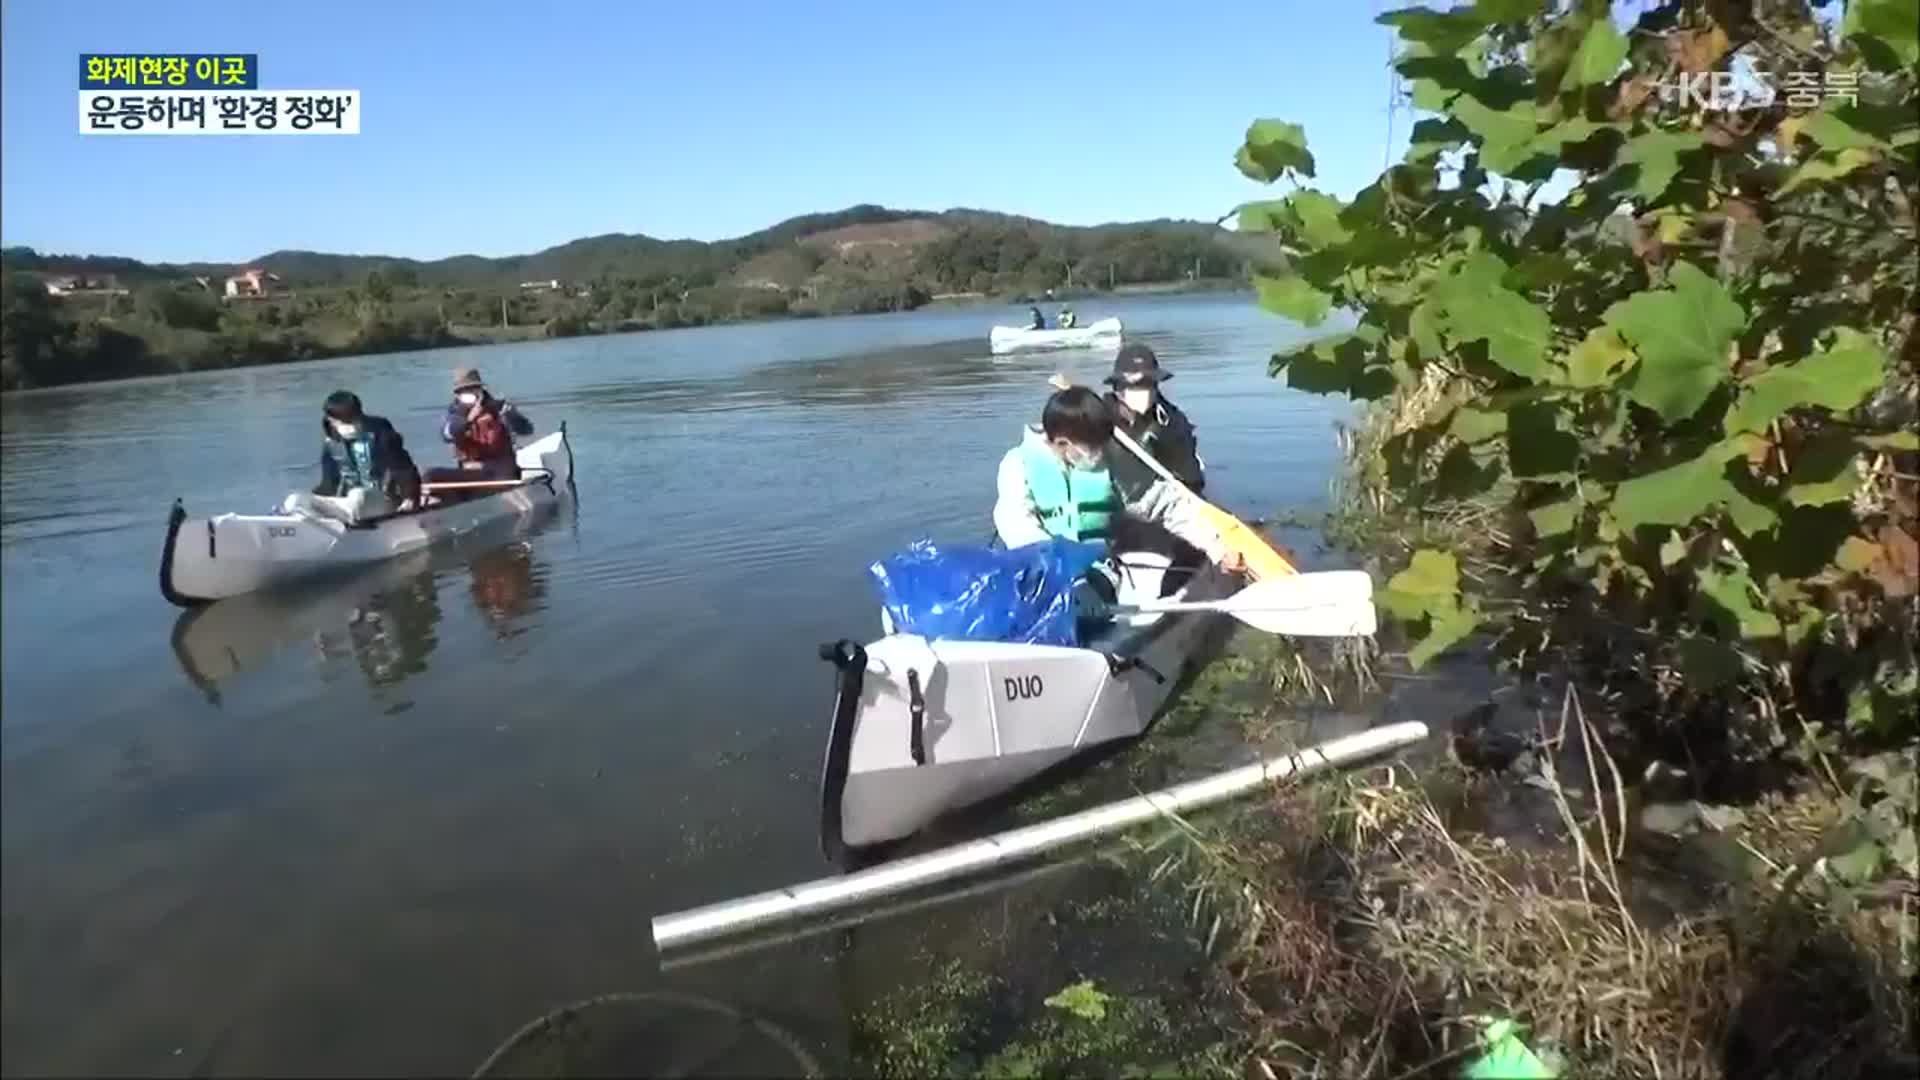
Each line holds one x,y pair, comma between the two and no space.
1120,665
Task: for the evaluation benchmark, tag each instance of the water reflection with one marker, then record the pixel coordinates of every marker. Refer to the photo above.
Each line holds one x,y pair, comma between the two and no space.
385,618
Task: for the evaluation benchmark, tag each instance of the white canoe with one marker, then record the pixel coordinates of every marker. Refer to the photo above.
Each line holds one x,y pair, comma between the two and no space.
1006,339
206,559
923,728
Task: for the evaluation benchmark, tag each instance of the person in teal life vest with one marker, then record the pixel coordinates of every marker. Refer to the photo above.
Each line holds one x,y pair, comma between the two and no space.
1057,483
365,470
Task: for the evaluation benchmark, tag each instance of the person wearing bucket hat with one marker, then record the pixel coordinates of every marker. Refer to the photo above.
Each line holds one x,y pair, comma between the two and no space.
1142,411
481,428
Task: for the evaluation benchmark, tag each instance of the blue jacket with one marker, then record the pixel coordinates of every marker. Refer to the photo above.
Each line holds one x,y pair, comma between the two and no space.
383,450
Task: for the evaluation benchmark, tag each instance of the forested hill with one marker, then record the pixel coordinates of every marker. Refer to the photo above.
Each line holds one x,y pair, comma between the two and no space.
959,250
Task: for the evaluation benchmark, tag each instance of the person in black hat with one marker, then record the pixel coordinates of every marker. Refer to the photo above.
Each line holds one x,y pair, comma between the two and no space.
1158,425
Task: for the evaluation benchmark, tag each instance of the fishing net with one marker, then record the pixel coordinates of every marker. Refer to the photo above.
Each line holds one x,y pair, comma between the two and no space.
660,1033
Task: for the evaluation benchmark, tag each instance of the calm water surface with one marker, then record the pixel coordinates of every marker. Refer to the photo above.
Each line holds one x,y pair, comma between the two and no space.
372,829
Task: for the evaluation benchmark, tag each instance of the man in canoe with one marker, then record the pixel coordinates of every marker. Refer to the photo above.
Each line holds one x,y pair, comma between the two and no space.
481,428
1059,483
365,470
1142,410
1068,319
1039,320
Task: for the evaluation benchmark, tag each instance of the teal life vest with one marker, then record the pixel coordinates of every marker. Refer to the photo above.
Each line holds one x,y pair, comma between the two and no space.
355,459
1077,504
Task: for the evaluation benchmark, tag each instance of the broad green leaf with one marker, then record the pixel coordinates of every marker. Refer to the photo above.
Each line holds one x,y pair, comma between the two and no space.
1508,11
1894,24
1423,324
1657,153
1556,518
1858,866
1750,517
1673,549
1536,445
1824,168
1291,297
1599,56
1476,425
1856,555
1836,378
1444,32
1677,494
1431,137
1273,147
1899,440
1734,594
1261,217
1431,582
1826,471
1833,133
1319,217
1476,308
1507,134
1682,336
1599,359
1707,664
1443,631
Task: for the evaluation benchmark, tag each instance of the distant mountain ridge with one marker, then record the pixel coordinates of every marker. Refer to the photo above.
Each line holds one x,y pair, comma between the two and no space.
638,255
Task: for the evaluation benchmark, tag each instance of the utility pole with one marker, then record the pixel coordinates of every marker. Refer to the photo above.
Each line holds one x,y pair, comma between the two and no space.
503,313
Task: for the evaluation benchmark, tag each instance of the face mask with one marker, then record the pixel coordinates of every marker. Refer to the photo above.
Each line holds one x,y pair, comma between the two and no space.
1137,401
468,398
345,431
1079,457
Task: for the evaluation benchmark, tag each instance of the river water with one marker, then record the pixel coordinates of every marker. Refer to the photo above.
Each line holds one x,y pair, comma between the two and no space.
372,829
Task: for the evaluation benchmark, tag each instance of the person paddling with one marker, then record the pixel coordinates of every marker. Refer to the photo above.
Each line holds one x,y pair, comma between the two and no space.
1039,320
365,470
1156,425
481,428
1058,483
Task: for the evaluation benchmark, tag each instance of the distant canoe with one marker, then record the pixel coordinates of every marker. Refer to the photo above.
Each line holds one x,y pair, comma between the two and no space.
206,559
1006,339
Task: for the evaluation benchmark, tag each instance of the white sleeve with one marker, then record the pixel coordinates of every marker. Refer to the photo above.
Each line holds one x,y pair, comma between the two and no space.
1179,513
1014,516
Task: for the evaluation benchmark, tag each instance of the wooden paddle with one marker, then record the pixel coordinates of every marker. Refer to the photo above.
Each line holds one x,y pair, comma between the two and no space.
527,476
1262,560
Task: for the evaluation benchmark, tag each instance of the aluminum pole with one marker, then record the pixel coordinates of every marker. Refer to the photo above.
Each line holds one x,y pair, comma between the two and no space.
681,929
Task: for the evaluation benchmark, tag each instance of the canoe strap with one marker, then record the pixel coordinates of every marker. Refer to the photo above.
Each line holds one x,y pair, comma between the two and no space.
917,705
1120,665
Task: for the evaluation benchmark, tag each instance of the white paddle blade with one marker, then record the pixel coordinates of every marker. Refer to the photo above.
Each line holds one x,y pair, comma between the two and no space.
1352,619
1321,587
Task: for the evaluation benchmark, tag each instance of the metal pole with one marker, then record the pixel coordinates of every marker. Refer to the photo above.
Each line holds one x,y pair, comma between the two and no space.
684,928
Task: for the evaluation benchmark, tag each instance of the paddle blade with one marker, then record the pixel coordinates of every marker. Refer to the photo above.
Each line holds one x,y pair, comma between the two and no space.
1320,588
1263,563
1351,619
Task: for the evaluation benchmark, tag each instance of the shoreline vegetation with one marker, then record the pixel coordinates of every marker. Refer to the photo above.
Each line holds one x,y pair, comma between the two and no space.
71,319
1640,478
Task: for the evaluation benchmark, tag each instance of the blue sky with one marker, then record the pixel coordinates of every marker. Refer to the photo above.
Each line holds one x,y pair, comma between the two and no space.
498,128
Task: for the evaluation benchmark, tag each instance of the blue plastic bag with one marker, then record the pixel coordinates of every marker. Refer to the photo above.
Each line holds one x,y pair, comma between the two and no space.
977,593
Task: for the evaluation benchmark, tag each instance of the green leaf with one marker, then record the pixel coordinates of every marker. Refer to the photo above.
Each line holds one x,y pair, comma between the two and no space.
1556,518
1432,137
1443,631
1893,24
1898,440
1319,217
1734,594
1823,168
1677,494
1444,32
1825,472
1536,445
1272,215
1291,297
1507,11
1682,336
1707,664
1856,555
1083,1000
1657,154
1599,56
1476,425
1431,582
1836,378
1424,324
1599,359
1507,134
1476,307
1858,866
1273,147
1750,517
1833,133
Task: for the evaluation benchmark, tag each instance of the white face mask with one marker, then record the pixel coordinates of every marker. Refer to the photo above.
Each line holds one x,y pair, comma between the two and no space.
1079,457
345,431
468,398
1137,401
